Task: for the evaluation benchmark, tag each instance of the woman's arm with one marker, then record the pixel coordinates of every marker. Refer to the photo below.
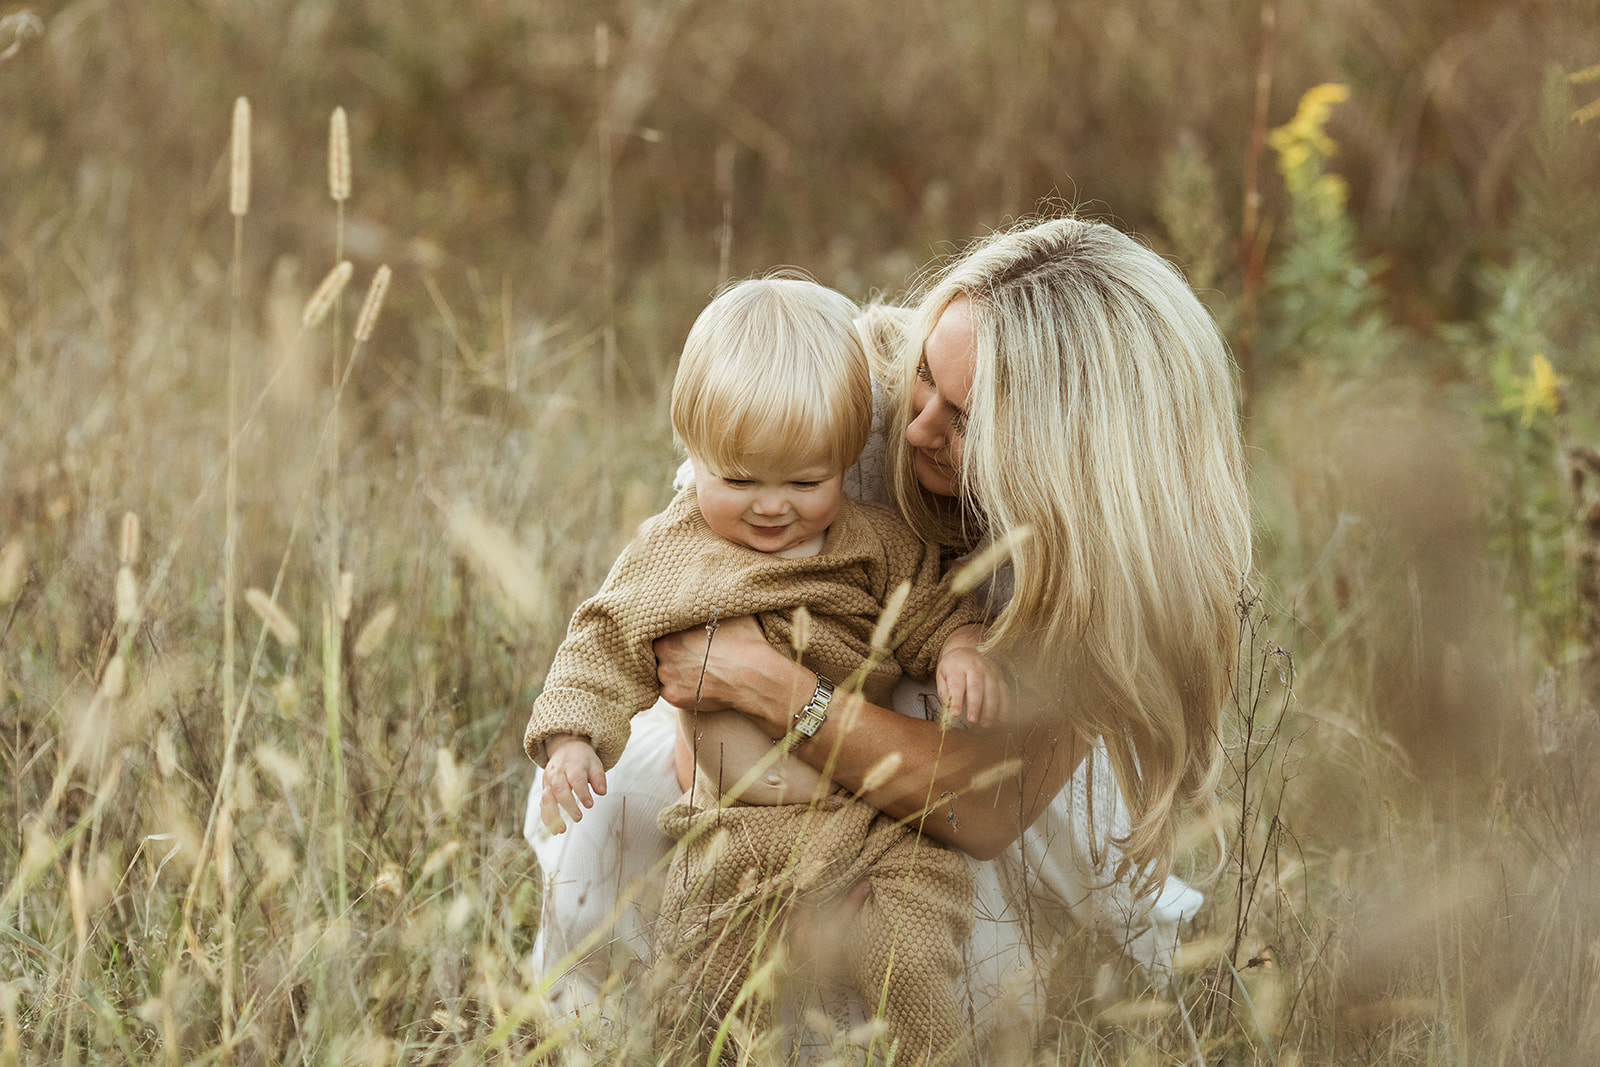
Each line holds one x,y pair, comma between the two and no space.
981,788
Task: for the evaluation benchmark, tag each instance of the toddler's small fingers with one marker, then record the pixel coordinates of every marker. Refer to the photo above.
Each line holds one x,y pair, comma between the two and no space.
974,700
568,802
550,815
993,702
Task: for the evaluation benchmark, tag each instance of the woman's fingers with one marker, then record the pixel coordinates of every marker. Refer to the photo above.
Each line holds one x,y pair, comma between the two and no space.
691,665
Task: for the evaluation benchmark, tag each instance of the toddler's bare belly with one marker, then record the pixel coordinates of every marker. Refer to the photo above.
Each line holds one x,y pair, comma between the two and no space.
727,748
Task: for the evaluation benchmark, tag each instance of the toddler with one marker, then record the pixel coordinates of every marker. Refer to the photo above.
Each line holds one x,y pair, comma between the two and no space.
773,401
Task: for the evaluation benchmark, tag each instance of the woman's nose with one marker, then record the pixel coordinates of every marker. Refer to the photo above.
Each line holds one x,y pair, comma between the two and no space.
927,429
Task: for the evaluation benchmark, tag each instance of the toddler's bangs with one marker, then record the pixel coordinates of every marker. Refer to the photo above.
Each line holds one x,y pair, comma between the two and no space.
742,430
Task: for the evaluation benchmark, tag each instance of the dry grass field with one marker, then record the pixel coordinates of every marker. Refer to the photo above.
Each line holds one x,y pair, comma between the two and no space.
280,572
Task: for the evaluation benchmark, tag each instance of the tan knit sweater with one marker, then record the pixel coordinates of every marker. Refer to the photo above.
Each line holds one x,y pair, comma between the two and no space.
677,574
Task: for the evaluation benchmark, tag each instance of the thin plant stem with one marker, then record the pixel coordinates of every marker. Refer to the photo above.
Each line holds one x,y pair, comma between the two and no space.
608,360
1252,245
239,206
332,624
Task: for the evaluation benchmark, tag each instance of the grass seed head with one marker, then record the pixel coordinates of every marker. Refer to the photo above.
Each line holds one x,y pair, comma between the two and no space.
166,753
78,902
290,772
239,174
500,560
988,561
328,291
375,632
38,850
800,638
891,615
373,304
882,772
129,554
450,781
273,617
339,156
345,595
115,680
287,694
127,595
13,569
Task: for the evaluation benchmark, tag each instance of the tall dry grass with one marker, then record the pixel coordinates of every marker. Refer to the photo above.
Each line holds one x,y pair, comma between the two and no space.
308,848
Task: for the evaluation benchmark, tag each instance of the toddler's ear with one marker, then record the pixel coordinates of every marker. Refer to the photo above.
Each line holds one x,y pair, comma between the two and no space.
684,478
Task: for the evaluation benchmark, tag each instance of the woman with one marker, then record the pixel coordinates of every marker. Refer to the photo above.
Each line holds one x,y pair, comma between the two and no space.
1058,387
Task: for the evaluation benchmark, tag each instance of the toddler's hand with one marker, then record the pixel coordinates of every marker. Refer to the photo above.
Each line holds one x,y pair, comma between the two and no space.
970,684
572,767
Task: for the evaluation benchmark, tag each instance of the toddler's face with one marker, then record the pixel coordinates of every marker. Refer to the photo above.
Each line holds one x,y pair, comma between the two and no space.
779,506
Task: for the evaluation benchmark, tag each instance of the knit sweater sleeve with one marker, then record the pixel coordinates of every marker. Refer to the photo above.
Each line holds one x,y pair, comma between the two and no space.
604,673
932,611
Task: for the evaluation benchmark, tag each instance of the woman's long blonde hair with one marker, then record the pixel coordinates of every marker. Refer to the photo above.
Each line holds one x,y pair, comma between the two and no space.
1102,415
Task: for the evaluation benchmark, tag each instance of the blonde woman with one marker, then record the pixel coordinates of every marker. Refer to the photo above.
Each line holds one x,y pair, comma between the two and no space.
1057,386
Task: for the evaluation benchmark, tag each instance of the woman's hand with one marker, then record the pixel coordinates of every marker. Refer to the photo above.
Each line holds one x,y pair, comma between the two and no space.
740,672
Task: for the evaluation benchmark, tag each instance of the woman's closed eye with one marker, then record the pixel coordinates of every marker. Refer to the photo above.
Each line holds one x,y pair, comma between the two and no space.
958,418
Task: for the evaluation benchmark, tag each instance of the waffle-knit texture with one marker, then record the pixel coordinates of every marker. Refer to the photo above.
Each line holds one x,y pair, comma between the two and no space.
739,871
677,574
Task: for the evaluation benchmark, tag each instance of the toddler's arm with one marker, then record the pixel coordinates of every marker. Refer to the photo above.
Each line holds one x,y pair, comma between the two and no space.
572,768
971,684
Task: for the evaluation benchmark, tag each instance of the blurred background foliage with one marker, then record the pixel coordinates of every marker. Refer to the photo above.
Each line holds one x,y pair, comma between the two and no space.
1391,208
852,138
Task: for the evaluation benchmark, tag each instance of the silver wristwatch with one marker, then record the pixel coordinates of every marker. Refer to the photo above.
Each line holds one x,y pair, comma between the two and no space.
811,717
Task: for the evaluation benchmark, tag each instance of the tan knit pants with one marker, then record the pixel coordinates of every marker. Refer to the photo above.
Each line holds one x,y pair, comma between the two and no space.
738,872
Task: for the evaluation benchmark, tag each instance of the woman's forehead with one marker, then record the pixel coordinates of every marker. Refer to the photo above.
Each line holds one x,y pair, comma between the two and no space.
950,351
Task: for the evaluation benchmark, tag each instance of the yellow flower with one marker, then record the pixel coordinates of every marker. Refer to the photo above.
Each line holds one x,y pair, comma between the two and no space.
1540,390
1303,140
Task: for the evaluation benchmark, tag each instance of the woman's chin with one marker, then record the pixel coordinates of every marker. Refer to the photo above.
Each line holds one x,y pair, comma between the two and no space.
933,476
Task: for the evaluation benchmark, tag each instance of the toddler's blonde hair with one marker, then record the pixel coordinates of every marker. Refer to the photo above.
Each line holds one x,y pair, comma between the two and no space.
773,367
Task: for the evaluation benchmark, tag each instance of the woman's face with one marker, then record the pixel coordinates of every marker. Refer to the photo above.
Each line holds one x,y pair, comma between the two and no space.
939,400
